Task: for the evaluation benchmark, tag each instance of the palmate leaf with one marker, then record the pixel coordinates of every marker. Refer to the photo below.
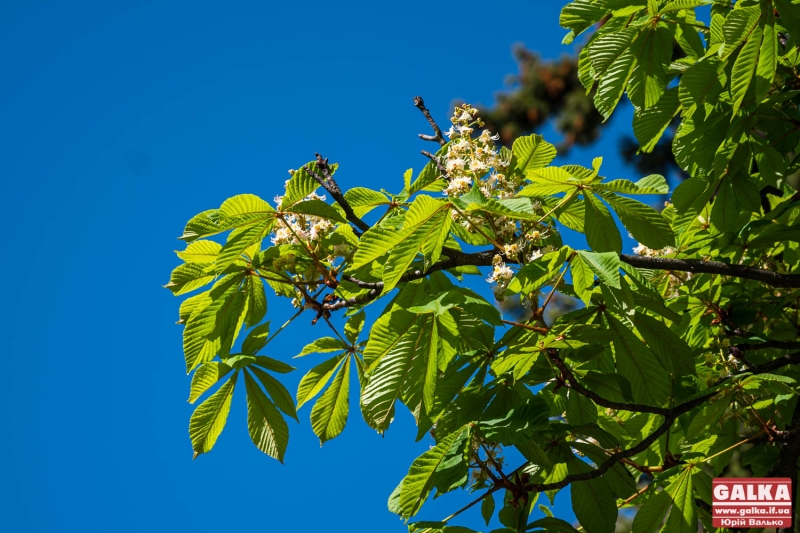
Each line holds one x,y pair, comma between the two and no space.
650,516
653,49
381,240
323,345
594,505
649,124
652,184
301,184
608,47
418,483
580,15
315,380
329,414
531,152
397,339
267,428
364,200
637,364
601,230
549,181
672,351
277,392
744,68
211,330
206,376
642,221
208,419
317,208
202,251
538,273
683,516
613,82
190,276
605,265
203,224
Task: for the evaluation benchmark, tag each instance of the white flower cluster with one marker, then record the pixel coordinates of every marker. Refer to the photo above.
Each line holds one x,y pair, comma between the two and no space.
470,159
501,275
298,229
641,249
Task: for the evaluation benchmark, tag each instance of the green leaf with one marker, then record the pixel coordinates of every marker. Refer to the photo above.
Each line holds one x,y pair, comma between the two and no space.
273,365
397,353
613,83
241,239
531,152
202,251
487,508
423,221
653,50
683,517
301,184
549,181
594,505
429,174
767,56
580,410
317,208
637,364
364,200
649,124
188,277
208,419
211,330
739,27
607,48
582,279
652,184
672,351
277,392
256,301
316,379
744,68
420,222
601,230
643,222
539,272
329,414
650,516
203,224
243,210
419,481
701,83
268,429
323,345
580,15
206,376
353,326
256,339
605,265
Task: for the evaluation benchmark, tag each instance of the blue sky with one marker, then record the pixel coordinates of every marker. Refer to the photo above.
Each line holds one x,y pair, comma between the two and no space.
120,122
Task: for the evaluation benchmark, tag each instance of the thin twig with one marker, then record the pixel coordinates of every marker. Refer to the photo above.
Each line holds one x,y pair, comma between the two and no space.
329,184
438,163
437,137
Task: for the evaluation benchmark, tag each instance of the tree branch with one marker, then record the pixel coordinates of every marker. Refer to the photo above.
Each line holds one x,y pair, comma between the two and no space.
438,163
329,184
437,137
787,461
713,267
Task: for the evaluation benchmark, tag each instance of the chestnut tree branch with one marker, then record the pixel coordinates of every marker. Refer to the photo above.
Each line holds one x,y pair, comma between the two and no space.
329,184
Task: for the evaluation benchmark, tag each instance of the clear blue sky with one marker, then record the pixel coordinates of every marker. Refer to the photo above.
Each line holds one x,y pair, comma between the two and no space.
121,120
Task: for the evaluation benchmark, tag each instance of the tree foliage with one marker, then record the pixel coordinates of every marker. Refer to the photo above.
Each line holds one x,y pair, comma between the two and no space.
680,356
